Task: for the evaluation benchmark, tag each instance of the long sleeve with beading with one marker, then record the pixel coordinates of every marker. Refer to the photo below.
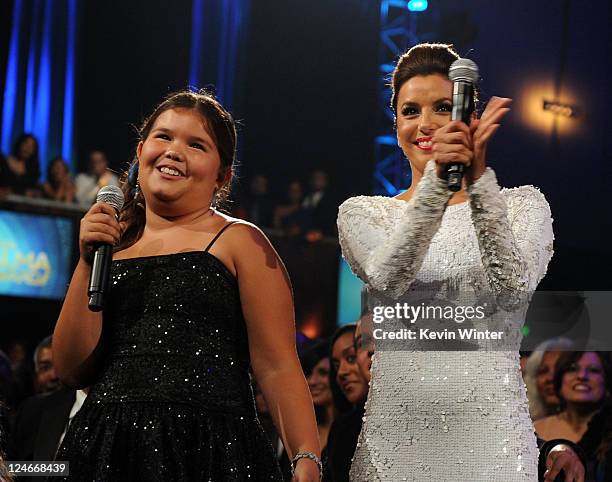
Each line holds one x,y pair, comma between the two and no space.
389,264
515,241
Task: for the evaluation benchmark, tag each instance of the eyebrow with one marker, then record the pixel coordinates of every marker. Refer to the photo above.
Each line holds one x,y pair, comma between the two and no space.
348,349
195,138
442,99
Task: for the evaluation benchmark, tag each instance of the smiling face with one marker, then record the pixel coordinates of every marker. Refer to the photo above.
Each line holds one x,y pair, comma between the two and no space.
584,382
318,382
178,163
364,345
348,375
424,104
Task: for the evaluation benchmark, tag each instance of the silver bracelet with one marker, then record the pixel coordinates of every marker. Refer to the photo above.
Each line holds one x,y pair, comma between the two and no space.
307,455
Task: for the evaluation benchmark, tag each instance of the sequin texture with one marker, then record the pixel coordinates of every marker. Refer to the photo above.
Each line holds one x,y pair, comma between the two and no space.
173,400
451,415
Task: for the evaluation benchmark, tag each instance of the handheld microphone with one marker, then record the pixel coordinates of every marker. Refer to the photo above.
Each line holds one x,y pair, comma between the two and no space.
103,256
464,74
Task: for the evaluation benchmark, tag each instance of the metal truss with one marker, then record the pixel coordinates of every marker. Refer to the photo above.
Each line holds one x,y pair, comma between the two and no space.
398,31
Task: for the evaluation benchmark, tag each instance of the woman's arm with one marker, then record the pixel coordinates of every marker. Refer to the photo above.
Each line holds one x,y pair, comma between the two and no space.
267,304
77,334
516,242
389,264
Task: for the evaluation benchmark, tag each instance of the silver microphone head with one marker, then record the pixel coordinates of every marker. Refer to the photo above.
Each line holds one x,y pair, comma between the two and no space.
111,195
463,70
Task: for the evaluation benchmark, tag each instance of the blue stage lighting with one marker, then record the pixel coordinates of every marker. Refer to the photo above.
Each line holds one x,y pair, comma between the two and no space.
417,5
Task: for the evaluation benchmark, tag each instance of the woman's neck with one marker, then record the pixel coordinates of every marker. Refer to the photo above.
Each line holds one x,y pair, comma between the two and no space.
157,223
578,415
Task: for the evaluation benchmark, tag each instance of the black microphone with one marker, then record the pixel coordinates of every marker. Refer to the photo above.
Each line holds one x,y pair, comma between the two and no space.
464,74
100,269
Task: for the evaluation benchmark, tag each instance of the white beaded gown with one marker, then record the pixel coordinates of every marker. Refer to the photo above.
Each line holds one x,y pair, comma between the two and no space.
448,415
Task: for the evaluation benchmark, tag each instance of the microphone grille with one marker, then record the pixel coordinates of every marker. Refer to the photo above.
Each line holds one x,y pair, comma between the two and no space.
463,70
111,195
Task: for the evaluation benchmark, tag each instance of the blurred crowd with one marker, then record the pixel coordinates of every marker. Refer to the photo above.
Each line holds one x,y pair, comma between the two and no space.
20,174
303,211
568,392
306,210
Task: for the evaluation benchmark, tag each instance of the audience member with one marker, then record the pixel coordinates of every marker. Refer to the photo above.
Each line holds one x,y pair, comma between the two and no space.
350,390
316,366
19,173
597,443
364,345
46,377
97,176
539,376
23,371
41,423
256,205
581,384
59,185
320,208
287,215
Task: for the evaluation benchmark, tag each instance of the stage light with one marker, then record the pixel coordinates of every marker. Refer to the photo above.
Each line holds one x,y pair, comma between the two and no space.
417,5
558,108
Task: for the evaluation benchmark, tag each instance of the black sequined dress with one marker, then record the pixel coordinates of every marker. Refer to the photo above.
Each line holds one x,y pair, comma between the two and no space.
173,401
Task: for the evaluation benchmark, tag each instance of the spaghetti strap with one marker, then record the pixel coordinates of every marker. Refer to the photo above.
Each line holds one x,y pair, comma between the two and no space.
218,234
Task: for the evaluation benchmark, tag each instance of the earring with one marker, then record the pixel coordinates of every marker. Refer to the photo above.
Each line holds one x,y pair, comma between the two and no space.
213,204
137,195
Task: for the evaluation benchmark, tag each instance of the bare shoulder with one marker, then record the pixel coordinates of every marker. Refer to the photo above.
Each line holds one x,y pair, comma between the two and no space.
248,244
243,232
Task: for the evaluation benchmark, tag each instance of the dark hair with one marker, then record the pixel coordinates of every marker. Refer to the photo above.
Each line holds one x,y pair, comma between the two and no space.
340,401
313,355
50,179
33,162
422,59
564,364
222,129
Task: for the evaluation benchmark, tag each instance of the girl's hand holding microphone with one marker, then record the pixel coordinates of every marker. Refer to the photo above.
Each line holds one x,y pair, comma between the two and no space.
98,226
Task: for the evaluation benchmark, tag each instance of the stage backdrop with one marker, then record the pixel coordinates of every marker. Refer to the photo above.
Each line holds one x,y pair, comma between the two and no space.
35,255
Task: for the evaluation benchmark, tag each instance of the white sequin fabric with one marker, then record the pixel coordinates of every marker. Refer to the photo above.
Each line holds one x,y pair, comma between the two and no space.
448,415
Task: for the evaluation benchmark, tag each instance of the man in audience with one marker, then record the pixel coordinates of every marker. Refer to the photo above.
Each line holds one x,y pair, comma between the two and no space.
98,175
320,208
41,423
46,377
42,420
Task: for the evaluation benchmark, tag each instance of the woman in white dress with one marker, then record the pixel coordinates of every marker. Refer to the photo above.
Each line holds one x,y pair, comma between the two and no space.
446,415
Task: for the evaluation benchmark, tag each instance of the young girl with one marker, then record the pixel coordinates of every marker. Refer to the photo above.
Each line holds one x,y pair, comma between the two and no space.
196,299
